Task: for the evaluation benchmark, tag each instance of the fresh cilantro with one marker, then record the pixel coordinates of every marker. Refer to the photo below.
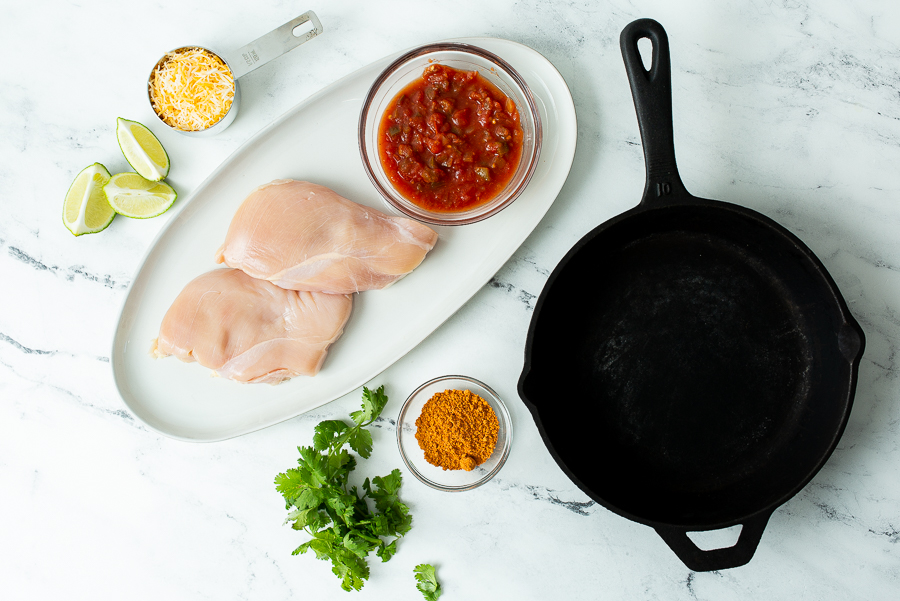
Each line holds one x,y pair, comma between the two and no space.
319,500
426,582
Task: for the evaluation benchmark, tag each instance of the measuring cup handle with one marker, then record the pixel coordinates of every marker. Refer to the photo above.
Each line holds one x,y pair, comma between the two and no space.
652,93
272,45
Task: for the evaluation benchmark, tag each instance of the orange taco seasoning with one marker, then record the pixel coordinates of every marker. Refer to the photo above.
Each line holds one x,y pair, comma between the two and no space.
457,429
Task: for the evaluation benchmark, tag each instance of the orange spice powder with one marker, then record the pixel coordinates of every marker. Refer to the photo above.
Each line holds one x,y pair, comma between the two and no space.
457,430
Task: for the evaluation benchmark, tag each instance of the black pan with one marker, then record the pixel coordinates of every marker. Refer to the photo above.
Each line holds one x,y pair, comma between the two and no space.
690,363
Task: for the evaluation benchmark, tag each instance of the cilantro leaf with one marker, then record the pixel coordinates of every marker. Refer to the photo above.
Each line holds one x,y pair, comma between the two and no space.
350,568
388,485
359,545
313,468
310,498
385,552
290,484
361,442
303,518
327,433
387,501
426,582
323,544
372,405
302,548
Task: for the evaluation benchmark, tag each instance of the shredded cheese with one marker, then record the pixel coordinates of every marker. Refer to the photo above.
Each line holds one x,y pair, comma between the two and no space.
191,89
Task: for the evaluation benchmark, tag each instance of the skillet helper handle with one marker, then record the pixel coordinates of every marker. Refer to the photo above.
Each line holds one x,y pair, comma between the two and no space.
699,560
652,94
272,45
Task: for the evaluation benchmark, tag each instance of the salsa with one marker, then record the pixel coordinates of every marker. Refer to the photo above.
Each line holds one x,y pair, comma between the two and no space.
451,140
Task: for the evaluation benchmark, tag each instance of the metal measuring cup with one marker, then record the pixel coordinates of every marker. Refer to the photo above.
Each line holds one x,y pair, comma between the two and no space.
244,60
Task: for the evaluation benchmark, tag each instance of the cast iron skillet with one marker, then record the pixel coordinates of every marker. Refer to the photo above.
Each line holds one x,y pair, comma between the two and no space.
690,363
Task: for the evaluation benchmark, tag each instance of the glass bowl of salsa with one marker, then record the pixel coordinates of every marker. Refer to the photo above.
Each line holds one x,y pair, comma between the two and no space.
450,134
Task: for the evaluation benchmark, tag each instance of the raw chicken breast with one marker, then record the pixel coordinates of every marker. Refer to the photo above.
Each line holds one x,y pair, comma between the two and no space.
250,330
303,236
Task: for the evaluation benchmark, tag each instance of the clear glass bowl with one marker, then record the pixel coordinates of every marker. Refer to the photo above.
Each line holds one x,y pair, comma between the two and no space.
407,69
414,457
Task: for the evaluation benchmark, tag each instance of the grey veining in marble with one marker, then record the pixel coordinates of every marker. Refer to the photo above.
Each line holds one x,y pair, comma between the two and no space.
789,107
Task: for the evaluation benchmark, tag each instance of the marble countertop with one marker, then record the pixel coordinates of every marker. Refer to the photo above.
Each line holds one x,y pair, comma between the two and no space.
791,108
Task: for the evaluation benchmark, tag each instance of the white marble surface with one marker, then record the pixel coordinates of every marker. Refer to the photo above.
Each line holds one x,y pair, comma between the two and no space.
789,107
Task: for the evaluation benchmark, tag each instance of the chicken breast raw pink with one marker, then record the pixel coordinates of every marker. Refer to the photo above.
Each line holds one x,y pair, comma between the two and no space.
302,236
250,330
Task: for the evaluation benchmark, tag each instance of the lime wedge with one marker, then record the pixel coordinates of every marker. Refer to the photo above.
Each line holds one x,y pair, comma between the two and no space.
133,196
142,150
86,210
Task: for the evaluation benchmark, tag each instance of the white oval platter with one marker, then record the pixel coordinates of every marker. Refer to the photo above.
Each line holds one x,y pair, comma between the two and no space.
317,141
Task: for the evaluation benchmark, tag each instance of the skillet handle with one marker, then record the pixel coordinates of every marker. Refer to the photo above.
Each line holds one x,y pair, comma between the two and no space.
716,559
652,94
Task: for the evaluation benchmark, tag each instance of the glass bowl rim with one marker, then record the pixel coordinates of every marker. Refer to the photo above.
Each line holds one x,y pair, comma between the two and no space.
532,161
503,416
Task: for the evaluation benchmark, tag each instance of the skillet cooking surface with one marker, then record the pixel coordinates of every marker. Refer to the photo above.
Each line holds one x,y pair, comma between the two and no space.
686,343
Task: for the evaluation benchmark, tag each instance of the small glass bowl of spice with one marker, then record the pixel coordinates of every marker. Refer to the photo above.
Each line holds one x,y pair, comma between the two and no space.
454,433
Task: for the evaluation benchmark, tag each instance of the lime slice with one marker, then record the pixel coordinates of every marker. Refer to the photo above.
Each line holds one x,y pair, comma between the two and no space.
86,210
142,150
133,196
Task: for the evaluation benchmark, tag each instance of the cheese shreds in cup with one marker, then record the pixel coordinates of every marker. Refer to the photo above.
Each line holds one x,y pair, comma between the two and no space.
191,89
